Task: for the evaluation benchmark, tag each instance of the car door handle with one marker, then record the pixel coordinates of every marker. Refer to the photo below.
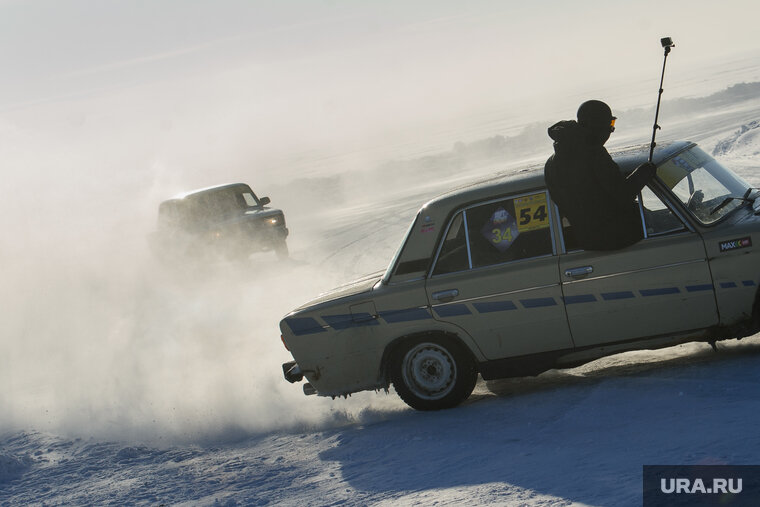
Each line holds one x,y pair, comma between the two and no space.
579,272
445,295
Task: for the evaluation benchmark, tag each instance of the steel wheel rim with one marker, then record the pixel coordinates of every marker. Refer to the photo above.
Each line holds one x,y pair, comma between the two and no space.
429,371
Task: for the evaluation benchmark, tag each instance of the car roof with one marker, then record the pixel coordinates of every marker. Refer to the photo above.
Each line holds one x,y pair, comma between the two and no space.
532,177
214,188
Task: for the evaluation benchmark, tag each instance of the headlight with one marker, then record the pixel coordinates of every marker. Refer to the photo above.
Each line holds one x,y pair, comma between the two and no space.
273,221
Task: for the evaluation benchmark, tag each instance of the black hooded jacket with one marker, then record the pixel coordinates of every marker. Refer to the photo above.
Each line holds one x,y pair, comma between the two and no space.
590,189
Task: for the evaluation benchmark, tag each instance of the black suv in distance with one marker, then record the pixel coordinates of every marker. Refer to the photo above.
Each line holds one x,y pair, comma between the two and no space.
225,221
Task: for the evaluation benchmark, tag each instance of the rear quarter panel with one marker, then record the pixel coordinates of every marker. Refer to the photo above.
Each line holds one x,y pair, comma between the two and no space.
340,345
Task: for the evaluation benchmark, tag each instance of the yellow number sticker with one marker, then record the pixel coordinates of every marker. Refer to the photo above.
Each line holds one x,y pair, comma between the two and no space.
531,212
499,236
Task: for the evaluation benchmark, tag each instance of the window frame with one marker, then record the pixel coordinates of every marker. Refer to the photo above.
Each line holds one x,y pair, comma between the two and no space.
463,210
664,197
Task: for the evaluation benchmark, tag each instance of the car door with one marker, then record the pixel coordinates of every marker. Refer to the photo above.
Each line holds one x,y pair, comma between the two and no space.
661,285
496,276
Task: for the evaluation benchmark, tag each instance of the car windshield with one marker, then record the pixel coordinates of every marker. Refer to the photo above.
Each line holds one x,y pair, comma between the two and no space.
702,184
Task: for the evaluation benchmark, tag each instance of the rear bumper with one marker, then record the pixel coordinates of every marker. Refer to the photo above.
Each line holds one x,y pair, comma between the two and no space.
293,374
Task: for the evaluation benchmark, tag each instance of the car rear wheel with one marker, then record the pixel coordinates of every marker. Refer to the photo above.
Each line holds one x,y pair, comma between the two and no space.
433,373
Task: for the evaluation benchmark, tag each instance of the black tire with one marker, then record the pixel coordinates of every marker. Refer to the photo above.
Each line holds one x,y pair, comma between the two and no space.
281,249
433,373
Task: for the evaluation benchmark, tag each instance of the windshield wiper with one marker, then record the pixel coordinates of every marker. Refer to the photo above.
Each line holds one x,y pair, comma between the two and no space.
728,199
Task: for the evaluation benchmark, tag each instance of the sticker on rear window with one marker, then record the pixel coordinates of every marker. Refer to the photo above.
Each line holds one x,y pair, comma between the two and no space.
501,229
428,226
531,212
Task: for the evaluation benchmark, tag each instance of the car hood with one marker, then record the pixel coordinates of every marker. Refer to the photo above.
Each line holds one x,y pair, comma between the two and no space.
354,288
262,212
253,214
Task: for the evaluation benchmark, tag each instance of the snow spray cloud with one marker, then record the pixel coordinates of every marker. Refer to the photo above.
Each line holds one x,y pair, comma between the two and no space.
99,339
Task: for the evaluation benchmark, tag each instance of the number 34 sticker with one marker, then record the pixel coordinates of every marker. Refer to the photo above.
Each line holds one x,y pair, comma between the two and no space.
531,212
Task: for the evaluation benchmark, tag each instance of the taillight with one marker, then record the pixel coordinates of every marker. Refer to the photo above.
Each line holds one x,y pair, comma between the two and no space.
282,337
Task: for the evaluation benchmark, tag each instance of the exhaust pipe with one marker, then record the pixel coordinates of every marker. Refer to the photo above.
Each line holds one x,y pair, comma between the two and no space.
292,372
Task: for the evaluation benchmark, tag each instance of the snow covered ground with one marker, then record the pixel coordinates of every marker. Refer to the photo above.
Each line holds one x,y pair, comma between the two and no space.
129,384
577,436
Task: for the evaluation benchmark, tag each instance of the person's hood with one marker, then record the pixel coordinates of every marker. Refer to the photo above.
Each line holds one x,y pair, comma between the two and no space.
570,132
566,131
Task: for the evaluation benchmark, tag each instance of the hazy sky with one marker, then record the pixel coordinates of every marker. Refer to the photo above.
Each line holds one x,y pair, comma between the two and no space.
322,70
52,47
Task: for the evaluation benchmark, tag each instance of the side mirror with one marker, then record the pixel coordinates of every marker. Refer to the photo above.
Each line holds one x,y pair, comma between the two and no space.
263,201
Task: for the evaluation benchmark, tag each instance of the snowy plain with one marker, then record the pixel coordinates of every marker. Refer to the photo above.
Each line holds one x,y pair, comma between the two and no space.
130,384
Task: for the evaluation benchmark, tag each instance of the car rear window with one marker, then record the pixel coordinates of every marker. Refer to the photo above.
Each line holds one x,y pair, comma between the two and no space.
495,232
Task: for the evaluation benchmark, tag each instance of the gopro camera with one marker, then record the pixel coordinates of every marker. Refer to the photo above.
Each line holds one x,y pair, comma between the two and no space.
667,42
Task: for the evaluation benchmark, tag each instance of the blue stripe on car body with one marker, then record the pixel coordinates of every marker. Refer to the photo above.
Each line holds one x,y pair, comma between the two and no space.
309,325
698,288
494,306
304,325
348,321
580,298
612,296
406,315
659,292
538,302
452,310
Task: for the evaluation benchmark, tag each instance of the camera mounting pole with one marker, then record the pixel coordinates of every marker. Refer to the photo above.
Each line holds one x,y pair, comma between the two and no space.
667,44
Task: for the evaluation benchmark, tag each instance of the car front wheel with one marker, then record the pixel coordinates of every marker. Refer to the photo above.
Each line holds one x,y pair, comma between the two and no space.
433,373
281,249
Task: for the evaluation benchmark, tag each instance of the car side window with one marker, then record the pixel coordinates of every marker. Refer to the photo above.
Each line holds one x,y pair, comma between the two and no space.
496,232
568,235
509,230
659,220
249,200
453,255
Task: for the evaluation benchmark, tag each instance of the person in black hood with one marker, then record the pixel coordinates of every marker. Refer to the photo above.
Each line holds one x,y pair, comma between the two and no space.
587,184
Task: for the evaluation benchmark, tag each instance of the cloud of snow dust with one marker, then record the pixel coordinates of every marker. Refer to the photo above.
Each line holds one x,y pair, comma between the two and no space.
100,339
